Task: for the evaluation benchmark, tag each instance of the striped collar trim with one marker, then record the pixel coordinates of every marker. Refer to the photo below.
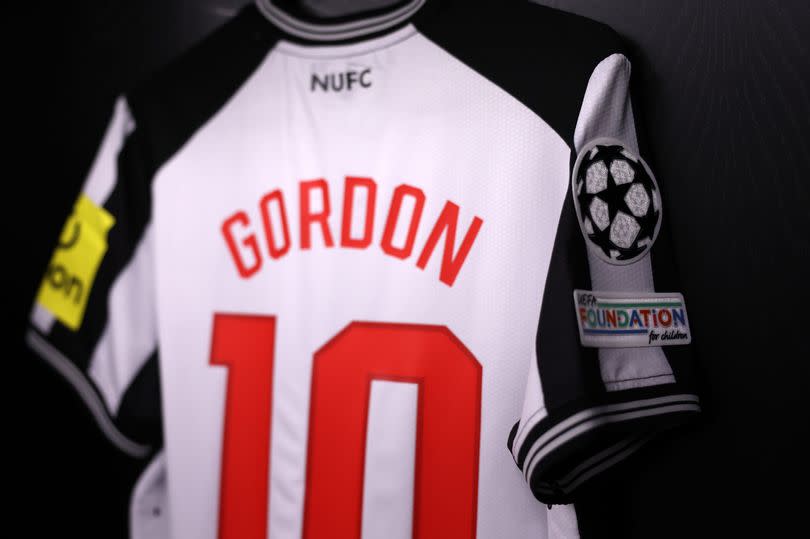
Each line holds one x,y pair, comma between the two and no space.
322,31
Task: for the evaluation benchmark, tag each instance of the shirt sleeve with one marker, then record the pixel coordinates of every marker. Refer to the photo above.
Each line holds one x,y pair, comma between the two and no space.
93,319
612,364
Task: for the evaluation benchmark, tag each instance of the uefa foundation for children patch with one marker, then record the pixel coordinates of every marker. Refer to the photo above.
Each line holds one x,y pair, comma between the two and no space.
631,319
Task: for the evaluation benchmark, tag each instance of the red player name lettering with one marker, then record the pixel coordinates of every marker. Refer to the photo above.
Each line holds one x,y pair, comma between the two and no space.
249,241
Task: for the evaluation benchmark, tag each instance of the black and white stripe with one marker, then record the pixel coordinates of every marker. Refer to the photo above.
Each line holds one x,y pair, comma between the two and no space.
149,126
560,490
547,439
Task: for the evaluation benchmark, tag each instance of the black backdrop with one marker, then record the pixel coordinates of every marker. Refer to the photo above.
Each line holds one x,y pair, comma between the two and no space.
723,93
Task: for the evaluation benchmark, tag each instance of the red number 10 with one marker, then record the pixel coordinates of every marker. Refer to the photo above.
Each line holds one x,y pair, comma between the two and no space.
447,431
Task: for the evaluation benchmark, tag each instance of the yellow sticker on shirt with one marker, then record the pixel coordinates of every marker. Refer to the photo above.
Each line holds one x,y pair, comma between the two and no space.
70,274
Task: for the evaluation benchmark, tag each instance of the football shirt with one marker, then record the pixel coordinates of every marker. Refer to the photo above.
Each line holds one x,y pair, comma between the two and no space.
321,266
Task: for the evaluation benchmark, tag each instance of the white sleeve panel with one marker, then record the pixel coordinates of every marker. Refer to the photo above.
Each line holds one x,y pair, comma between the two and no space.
607,111
130,336
115,334
101,178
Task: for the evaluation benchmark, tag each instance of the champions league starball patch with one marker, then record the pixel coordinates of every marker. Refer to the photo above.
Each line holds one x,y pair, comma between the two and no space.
617,201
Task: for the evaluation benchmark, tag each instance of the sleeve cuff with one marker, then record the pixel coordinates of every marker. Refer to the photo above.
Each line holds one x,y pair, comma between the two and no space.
566,448
87,391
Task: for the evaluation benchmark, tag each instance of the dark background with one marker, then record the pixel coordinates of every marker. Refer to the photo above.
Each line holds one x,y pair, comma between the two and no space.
722,90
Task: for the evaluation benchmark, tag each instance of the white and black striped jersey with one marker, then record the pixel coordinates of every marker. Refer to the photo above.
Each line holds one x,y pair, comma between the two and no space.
322,264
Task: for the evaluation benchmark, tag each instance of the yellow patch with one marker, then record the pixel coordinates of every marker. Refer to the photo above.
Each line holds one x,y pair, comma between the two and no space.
82,244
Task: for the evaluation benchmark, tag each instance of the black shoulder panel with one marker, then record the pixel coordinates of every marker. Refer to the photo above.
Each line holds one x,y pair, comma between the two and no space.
167,109
183,95
541,56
